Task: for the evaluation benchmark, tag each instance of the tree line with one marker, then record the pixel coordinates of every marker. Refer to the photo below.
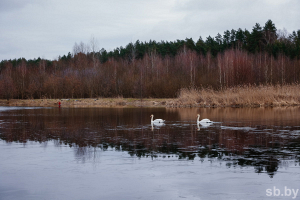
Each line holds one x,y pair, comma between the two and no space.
159,69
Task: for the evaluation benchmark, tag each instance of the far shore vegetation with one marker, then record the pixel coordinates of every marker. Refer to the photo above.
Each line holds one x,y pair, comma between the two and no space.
240,96
237,68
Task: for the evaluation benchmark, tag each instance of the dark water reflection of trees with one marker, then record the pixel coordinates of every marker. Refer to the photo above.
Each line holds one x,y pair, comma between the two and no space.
262,138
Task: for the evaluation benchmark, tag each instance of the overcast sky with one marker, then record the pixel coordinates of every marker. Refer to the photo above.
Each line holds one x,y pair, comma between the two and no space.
50,28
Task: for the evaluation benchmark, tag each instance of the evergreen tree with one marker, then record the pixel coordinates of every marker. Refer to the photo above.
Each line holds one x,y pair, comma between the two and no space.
269,32
201,46
103,55
140,49
226,39
240,38
232,37
219,39
212,45
255,40
189,42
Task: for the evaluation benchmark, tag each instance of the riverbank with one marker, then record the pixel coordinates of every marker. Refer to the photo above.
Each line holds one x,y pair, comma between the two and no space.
88,102
242,96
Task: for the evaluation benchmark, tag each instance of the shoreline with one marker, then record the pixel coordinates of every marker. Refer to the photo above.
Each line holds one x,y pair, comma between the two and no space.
129,102
88,102
236,97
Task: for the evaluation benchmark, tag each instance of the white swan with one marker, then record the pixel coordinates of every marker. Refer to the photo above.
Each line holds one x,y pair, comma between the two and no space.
203,121
156,121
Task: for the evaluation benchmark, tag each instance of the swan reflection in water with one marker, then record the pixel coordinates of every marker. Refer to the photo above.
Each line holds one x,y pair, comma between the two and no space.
157,126
203,125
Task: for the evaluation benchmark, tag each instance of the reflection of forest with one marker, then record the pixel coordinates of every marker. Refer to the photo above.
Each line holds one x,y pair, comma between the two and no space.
263,146
260,116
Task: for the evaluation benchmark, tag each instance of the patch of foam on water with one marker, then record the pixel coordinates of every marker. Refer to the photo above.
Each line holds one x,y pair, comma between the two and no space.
238,128
7,108
295,132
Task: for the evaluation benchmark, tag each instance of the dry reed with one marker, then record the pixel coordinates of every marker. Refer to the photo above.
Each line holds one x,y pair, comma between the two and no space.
240,96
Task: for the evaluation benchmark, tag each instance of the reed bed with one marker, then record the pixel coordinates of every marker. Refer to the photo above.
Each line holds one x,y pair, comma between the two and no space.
240,96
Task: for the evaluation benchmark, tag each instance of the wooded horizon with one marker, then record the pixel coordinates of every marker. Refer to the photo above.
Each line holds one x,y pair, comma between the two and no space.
264,56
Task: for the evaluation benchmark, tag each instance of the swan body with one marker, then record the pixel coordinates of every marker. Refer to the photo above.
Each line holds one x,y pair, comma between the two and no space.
203,121
156,121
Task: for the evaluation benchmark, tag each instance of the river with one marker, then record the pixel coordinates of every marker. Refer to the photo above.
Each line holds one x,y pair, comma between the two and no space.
115,153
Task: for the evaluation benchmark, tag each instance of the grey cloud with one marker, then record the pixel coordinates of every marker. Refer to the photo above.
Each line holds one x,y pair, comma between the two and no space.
11,5
33,28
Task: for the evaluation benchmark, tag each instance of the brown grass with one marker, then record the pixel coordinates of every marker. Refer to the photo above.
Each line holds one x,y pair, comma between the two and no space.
241,96
87,102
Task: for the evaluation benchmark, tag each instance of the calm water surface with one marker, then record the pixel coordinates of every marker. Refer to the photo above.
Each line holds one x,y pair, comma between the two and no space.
115,153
